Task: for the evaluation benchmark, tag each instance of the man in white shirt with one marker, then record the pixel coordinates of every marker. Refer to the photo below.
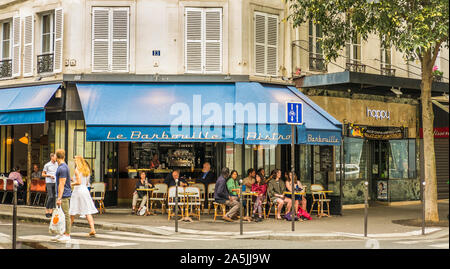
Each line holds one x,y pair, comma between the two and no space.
49,172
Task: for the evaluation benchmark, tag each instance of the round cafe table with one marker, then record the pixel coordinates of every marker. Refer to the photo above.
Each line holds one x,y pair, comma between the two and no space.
238,191
186,198
249,194
148,190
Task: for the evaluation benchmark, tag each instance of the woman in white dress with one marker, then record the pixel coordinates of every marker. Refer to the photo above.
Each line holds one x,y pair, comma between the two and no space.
81,202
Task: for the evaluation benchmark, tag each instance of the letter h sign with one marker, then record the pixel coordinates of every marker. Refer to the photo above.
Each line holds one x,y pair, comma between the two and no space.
294,113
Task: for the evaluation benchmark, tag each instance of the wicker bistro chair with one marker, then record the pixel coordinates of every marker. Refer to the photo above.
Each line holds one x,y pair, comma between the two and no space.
271,204
193,201
159,195
201,187
210,193
98,194
9,188
171,201
319,198
3,185
223,207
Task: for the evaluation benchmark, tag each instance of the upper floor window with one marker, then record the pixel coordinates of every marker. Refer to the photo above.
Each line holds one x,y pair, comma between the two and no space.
386,60
203,40
316,59
353,54
110,39
266,44
48,33
5,49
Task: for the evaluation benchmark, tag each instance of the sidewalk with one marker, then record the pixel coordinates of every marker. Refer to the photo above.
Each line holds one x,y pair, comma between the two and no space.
349,225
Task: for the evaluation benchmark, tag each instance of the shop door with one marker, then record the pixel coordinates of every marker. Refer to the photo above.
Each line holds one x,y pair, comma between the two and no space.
379,170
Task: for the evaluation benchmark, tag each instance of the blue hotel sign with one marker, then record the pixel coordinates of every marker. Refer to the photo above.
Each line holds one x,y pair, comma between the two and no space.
294,113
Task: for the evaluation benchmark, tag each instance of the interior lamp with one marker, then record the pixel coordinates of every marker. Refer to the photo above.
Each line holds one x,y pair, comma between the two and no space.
24,139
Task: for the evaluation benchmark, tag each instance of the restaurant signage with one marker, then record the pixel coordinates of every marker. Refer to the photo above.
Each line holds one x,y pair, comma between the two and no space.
378,114
381,133
441,132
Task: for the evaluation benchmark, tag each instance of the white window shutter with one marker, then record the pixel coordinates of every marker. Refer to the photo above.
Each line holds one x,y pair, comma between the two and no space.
28,53
272,45
213,40
260,43
100,40
120,24
58,42
193,39
16,53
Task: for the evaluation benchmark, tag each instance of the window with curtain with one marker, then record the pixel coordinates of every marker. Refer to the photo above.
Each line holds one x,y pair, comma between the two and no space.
355,162
402,159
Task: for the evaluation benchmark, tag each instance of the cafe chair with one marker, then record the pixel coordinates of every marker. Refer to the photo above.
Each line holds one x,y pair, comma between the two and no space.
271,204
201,187
193,201
171,202
223,207
211,200
319,197
39,187
159,195
3,186
8,188
98,194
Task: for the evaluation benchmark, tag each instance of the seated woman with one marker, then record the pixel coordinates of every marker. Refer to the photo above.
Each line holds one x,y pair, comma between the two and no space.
260,188
298,188
233,183
142,183
275,191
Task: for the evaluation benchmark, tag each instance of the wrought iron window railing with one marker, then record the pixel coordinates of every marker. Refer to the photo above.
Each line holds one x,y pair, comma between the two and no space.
355,67
5,68
45,63
388,71
317,63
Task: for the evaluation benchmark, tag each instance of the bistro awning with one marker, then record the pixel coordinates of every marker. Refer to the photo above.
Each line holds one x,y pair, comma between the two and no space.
181,112
25,105
268,125
194,112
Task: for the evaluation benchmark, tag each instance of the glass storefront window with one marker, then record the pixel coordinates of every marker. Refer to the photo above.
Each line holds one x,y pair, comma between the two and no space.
402,160
305,163
412,158
355,162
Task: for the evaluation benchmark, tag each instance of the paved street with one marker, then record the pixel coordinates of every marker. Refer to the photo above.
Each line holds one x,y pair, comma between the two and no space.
107,239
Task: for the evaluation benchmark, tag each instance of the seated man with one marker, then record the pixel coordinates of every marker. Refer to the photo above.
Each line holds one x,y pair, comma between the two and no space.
170,179
222,196
206,177
142,183
275,190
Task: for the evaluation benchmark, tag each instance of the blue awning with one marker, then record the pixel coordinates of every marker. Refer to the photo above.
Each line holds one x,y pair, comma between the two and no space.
148,112
242,112
268,124
25,105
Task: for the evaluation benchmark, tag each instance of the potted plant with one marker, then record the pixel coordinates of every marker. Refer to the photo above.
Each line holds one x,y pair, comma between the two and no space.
437,74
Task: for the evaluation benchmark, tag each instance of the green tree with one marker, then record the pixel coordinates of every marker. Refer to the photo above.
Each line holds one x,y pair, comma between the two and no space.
417,28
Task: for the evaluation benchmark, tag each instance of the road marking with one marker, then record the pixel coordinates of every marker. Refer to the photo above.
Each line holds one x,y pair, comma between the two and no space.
445,245
141,239
175,237
45,238
215,233
387,235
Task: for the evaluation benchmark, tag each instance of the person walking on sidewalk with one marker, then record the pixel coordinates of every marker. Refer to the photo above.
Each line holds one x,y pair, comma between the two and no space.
49,173
222,196
81,202
64,192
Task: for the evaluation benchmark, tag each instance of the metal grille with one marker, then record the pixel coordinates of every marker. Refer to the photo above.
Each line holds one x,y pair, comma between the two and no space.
45,63
355,67
5,68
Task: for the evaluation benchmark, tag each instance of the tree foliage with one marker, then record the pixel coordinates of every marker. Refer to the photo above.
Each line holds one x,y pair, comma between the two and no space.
414,27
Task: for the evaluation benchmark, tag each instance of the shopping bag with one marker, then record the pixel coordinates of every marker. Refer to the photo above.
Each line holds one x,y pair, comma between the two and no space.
58,221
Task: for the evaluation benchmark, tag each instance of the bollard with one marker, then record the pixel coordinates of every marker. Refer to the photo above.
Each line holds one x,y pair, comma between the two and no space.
423,207
176,205
14,228
366,185
241,210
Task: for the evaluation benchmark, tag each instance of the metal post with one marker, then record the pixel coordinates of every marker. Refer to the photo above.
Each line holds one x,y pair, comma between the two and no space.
176,205
241,224
14,229
292,179
423,206
366,185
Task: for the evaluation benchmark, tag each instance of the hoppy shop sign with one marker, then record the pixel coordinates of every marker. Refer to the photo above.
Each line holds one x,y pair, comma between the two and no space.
378,114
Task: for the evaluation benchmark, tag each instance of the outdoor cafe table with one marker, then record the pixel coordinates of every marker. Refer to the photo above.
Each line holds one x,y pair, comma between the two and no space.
186,197
148,190
238,191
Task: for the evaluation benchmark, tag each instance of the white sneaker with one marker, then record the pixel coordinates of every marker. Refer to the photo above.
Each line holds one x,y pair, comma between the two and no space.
56,238
64,239
83,216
